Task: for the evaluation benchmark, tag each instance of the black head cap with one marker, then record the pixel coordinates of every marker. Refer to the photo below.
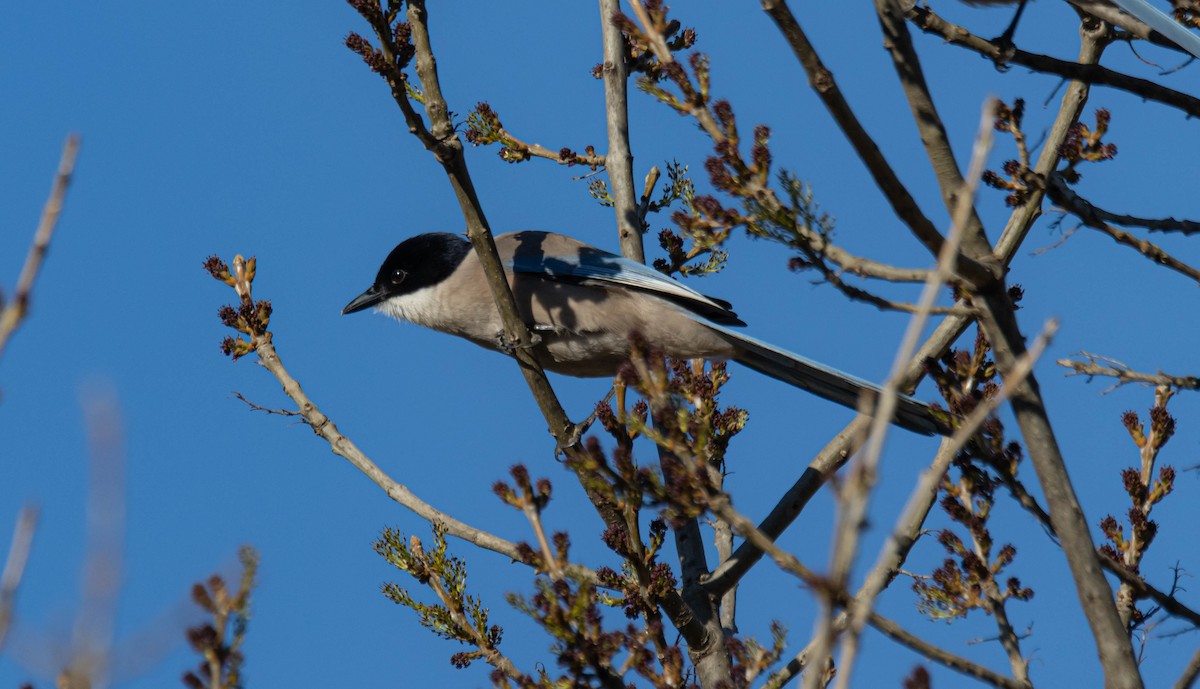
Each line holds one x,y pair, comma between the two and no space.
417,262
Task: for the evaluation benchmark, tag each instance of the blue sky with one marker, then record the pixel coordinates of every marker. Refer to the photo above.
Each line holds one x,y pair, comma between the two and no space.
248,127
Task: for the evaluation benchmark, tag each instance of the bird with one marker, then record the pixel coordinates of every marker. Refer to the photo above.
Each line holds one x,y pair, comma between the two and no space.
584,304
1138,17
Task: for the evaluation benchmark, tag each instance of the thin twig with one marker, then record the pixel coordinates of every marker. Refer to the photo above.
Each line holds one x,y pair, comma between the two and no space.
1124,374
1188,678
13,312
539,151
256,407
342,446
1095,218
14,566
1063,195
942,656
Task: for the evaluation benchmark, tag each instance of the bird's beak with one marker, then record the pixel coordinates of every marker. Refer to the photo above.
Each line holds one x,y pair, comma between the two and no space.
364,301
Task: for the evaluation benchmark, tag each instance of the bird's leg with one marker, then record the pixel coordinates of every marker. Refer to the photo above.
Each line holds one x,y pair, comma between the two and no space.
1004,40
582,427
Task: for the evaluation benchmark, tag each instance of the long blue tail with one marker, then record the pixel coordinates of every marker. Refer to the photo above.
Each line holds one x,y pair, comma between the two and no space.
1162,23
827,382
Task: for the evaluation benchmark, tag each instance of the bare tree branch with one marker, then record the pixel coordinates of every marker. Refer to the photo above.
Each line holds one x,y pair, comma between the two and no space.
267,410
1190,673
1063,195
13,312
344,447
1066,514
822,81
441,139
942,656
1146,248
449,152
1124,374
706,637
932,131
14,566
895,549
1095,218
619,159
928,21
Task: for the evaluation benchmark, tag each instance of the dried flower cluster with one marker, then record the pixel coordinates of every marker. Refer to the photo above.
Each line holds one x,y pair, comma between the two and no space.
1083,144
249,317
1145,490
219,641
971,578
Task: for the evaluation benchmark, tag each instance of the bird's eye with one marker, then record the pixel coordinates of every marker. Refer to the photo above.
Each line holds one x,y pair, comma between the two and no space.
398,276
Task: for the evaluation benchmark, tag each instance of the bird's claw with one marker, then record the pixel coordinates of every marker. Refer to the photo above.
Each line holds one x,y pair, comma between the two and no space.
574,435
509,346
576,431
1006,50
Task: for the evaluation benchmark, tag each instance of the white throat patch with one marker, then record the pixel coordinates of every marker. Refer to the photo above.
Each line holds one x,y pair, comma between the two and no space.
420,307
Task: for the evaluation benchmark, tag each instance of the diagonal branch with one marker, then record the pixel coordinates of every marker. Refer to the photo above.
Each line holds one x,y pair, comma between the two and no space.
441,139
1190,673
908,526
1144,247
14,566
1065,196
822,81
1095,218
932,131
12,313
1113,646
344,447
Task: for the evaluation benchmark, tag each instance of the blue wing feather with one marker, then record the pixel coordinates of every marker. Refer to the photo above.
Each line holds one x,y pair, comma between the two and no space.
603,267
